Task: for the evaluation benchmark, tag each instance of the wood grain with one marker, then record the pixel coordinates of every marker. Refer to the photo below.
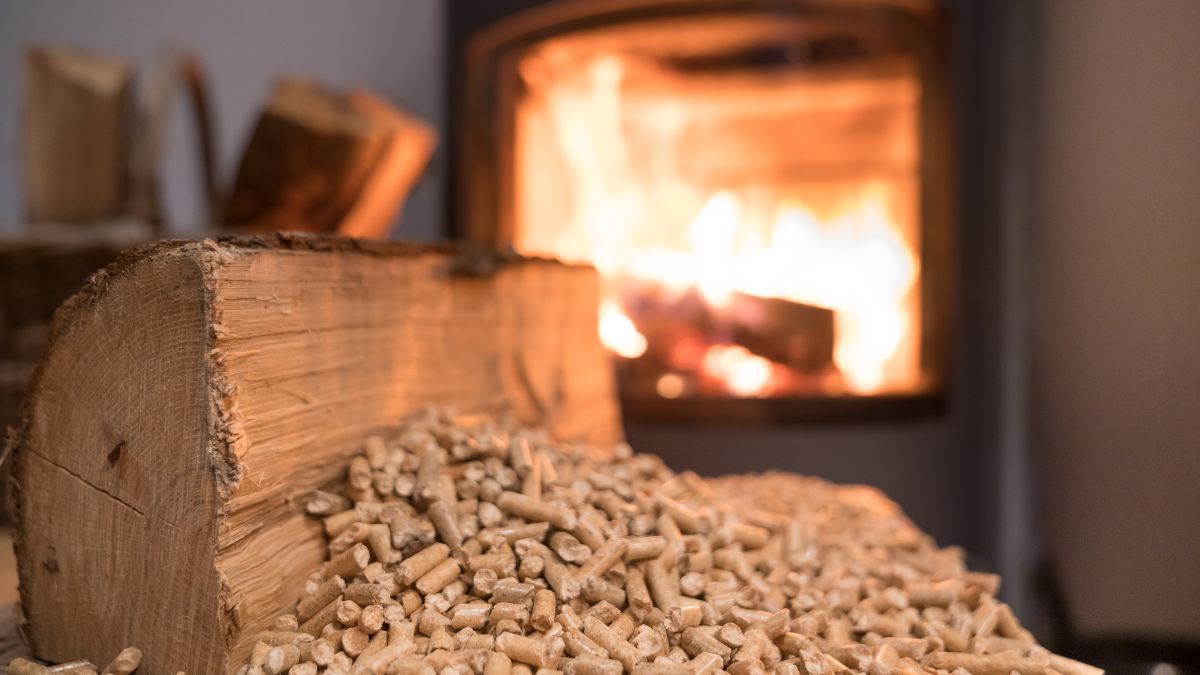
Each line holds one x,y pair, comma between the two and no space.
194,391
306,162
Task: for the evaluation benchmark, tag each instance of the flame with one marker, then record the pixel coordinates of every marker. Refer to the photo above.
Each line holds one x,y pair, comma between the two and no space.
634,215
745,373
618,333
856,264
670,386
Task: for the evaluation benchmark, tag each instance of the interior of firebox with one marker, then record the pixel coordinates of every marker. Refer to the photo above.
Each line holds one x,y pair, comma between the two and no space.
749,190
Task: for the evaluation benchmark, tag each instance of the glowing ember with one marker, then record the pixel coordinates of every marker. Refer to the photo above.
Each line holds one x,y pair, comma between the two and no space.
656,232
618,333
670,386
746,374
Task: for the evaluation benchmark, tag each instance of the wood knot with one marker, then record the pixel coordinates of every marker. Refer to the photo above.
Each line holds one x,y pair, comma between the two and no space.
114,455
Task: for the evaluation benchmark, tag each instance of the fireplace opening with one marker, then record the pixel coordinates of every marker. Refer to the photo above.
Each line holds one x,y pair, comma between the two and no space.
759,185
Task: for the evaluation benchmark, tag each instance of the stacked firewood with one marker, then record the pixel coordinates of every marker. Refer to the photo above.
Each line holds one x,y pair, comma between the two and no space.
463,546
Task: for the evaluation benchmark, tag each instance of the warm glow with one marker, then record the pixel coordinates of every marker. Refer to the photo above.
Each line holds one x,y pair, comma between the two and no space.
746,374
670,386
641,194
619,334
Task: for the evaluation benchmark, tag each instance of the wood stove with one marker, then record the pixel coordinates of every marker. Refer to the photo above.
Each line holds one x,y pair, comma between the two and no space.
762,184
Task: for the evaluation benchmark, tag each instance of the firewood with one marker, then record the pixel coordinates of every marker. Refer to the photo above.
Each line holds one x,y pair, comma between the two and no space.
322,161
410,144
797,335
793,334
77,108
195,393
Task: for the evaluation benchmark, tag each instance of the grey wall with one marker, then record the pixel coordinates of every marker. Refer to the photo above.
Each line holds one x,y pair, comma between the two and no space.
391,46
1116,242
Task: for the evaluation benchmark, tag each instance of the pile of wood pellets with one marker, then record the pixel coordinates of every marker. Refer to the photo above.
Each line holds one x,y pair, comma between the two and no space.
462,547
125,663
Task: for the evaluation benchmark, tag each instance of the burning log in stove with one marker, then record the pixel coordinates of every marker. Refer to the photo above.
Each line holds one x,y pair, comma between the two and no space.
705,344
795,334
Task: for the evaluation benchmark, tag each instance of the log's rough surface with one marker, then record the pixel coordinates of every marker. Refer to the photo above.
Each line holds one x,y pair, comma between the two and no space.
193,391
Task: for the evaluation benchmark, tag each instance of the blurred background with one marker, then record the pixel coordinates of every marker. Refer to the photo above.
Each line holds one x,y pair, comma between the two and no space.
947,248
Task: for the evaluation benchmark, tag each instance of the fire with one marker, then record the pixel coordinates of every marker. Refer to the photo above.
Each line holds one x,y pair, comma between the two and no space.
634,213
745,373
670,385
618,333
856,265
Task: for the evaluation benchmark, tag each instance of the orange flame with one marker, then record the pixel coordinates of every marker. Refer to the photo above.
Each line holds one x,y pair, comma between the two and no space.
618,333
745,374
634,215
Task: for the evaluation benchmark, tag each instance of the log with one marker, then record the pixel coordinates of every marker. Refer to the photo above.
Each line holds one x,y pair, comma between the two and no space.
321,161
793,334
305,163
797,335
410,145
77,108
194,392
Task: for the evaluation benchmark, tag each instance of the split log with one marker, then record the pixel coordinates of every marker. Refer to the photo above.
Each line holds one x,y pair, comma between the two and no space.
77,106
410,145
305,163
195,391
320,161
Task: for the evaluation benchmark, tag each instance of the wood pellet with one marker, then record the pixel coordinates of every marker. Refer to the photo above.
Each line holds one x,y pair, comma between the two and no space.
491,550
462,546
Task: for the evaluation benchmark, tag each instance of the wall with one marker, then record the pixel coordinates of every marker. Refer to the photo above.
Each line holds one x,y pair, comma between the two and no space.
1116,242
394,48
